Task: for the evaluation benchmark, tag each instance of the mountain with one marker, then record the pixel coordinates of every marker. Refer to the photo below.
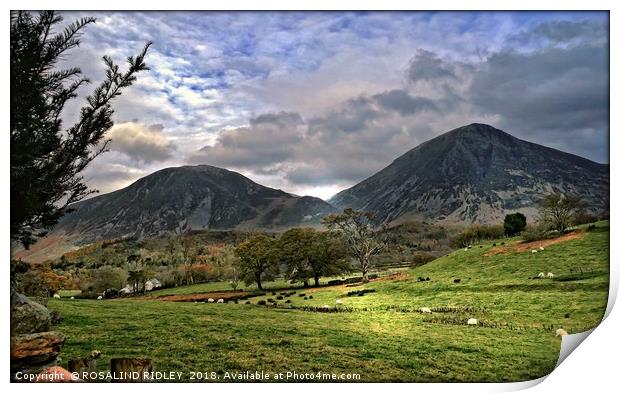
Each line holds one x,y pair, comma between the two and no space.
475,174
176,200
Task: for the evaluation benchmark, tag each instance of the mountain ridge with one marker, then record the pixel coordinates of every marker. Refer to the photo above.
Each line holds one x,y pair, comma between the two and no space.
475,174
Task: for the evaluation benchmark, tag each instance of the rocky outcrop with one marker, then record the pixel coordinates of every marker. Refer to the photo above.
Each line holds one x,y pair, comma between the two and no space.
28,316
34,352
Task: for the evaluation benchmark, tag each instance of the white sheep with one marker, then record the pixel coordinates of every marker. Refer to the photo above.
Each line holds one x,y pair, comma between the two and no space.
534,251
99,297
426,310
338,301
56,296
550,275
325,306
211,300
72,298
220,300
472,321
541,248
561,332
541,275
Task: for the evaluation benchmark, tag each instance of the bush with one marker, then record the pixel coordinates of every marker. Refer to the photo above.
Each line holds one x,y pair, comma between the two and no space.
334,282
535,232
477,233
514,224
583,217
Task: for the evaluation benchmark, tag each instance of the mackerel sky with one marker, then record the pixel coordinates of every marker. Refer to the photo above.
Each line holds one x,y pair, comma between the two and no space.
313,102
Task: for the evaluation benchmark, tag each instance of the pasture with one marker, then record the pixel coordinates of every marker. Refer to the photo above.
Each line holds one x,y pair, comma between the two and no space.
380,335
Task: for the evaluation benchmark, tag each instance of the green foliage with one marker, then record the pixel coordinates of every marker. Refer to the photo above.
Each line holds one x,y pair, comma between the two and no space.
309,254
477,233
108,277
47,159
258,259
514,224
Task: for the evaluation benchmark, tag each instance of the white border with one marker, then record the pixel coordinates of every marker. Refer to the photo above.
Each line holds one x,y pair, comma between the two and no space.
593,364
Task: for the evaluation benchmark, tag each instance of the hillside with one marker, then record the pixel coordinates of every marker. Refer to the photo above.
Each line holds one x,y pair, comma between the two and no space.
380,332
475,174
178,200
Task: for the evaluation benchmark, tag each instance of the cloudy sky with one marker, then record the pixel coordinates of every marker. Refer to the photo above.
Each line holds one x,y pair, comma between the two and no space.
314,102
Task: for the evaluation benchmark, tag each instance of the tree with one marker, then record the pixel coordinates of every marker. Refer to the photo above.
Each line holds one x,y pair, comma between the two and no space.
308,254
557,210
47,158
257,259
514,224
360,237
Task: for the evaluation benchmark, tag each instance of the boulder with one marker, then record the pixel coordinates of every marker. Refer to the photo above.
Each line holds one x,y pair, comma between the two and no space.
35,351
28,316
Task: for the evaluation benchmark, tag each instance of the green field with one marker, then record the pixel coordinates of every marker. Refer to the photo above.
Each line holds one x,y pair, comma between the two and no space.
380,335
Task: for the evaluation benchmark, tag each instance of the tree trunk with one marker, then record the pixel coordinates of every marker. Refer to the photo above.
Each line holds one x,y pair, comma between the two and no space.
364,263
306,285
258,283
316,280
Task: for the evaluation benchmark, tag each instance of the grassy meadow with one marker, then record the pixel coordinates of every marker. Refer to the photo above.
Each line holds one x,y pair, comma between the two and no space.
381,335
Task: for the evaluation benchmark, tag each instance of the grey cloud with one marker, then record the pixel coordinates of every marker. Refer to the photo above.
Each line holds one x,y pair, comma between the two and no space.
404,103
427,66
564,31
555,94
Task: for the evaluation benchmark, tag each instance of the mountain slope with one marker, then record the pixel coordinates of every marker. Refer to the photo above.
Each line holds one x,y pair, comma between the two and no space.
475,173
188,198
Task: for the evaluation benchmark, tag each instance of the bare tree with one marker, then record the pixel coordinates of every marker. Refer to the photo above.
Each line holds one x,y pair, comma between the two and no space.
359,234
558,210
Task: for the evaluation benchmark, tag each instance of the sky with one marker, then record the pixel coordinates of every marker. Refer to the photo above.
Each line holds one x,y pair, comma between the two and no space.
314,102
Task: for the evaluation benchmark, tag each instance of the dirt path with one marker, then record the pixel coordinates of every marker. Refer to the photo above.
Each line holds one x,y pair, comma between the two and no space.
195,297
524,247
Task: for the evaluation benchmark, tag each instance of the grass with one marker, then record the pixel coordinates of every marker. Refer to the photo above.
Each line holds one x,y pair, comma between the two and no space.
379,337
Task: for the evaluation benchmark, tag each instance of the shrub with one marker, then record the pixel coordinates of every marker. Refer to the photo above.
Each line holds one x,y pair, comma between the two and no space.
334,282
279,297
261,303
514,224
535,232
477,233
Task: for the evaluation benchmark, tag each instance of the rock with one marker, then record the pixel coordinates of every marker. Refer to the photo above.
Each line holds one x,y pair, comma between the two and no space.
35,351
28,316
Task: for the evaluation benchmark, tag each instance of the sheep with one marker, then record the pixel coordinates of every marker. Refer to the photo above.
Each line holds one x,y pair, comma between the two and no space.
561,332
472,321
56,296
72,298
326,307
338,301
426,310
534,251
220,300
100,297
550,275
541,248
541,275
211,300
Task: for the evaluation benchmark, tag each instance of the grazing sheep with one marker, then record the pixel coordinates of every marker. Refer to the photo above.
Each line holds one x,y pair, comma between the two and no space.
561,332
541,248
99,297
338,301
426,310
211,300
534,251
56,296
72,298
220,300
325,306
541,275
472,321
550,275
